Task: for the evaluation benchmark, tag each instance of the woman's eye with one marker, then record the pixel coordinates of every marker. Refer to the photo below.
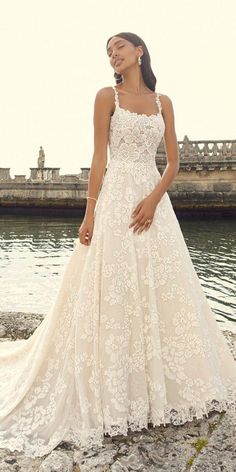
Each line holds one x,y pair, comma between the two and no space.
121,46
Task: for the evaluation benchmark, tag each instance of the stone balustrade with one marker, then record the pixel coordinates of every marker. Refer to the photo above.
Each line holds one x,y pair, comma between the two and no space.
206,180
206,177
203,154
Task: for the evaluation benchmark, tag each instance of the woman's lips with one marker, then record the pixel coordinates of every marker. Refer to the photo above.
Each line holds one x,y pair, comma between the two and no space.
118,62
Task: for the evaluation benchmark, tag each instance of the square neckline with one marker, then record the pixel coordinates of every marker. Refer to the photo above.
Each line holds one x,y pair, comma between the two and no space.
117,105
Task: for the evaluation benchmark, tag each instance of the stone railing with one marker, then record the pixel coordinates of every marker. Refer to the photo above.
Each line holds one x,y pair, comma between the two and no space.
207,175
203,154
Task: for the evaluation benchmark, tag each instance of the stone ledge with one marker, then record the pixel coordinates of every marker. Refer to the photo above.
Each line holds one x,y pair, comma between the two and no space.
18,325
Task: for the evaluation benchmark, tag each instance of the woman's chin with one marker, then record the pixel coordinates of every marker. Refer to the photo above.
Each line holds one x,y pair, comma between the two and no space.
119,71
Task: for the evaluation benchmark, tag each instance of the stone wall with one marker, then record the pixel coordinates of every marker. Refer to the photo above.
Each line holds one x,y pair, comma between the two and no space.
207,174
206,181
39,194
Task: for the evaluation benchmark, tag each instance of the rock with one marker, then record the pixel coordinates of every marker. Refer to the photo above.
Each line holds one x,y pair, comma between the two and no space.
132,462
18,325
96,460
17,462
117,467
220,452
9,465
57,461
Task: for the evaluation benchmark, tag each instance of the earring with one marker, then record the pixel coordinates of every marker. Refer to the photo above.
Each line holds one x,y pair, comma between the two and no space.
139,60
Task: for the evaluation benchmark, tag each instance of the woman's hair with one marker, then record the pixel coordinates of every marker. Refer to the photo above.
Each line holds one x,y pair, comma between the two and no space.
147,73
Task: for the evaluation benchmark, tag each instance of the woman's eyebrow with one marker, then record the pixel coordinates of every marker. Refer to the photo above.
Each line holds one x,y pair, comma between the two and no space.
118,41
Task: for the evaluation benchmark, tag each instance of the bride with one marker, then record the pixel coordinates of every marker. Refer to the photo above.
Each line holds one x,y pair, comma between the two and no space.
130,339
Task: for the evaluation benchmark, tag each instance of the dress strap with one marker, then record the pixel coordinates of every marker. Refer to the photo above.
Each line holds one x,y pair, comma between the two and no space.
158,102
157,99
116,96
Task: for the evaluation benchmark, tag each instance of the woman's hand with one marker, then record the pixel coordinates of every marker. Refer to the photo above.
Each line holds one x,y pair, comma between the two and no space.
144,211
86,230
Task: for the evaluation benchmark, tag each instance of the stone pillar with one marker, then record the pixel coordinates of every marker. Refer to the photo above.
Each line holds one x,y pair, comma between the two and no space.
56,173
33,173
20,178
5,173
233,149
85,173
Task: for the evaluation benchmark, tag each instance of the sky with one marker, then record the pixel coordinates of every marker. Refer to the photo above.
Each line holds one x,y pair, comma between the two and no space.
53,62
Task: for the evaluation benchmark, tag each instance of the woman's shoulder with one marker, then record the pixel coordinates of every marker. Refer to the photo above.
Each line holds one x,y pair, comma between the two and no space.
104,99
164,98
105,92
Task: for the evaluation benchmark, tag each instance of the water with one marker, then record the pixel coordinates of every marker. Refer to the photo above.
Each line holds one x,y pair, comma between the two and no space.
34,251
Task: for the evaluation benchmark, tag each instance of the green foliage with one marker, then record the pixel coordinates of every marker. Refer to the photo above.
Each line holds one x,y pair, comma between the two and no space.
200,443
190,461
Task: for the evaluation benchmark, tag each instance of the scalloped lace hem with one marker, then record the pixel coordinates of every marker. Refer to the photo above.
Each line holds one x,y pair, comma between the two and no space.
176,417
89,438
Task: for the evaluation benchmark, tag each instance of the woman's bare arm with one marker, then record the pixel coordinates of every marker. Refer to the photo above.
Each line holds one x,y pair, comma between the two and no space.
172,150
101,120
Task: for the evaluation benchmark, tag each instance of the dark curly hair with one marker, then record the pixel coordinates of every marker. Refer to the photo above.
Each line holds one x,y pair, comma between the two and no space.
147,72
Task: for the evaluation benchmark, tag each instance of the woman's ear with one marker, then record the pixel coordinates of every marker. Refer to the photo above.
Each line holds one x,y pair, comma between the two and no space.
140,50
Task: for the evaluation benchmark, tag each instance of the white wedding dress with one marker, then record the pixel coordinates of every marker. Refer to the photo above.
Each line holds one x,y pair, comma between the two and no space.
130,339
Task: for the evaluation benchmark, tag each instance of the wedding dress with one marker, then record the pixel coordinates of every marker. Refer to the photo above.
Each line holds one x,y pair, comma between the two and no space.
131,339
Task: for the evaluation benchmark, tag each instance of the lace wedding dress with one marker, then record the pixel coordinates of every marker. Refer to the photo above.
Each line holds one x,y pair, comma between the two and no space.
130,339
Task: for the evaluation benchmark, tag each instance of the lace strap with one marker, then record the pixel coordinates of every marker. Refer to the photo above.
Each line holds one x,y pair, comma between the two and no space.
116,95
157,99
158,102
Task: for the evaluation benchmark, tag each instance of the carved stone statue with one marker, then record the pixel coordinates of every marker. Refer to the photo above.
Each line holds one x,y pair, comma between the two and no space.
41,158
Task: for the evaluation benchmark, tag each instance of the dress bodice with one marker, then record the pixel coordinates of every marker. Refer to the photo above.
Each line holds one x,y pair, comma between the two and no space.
135,137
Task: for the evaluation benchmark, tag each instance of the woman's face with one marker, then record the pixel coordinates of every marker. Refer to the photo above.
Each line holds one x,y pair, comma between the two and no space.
122,53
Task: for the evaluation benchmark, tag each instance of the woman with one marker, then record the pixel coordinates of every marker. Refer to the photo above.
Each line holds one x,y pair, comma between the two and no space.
131,339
